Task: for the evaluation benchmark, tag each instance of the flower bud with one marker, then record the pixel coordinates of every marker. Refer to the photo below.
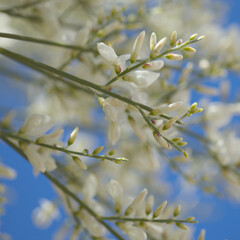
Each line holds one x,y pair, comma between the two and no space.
153,41
175,105
137,46
154,65
173,38
192,37
159,209
202,235
190,49
73,136
174,57
169,123
115,189
177,211
149,205
136,202
179,42
161,140
201,37
177,139
101,101
182,143
112,152
97,150
79,162
182,226
158,47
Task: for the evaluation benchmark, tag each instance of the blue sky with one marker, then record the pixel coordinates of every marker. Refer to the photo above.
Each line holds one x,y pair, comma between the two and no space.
24,192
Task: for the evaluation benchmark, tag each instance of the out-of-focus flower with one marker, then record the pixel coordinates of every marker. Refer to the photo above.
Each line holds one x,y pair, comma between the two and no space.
44,215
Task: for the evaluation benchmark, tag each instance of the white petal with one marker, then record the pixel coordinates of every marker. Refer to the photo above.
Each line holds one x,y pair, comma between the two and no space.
107,52
137,46
82,36
154,65
36,125
142,78
115,189
94,227
136,233
35,158
90,187
111,112
114,132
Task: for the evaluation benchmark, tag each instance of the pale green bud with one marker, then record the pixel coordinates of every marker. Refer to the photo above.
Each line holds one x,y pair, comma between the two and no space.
149,205
202,235
182,226
136,202
97,150
79,162
177,139
192,37
73,136
181,144
169,123
159,209
174,57
173,38
101,101
190,49
177,210
160,44
112,152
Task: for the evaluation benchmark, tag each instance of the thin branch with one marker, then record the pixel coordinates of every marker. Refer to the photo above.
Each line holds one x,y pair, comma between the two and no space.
167,220
38,66
61,149
43,41
149,59
155,129
68,192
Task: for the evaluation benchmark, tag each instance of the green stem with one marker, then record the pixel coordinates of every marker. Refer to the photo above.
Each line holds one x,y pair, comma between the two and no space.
149,59
154,128
43,41
61,149
168,220
38,66
68,192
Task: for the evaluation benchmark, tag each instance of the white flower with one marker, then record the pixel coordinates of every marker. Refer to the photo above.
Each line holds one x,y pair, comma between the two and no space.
36,125
136,233
45,213
115,189
141,78
219,114
82,37
113,108
7,172
93,226
107,52
109,55
40,159
114,132
90,187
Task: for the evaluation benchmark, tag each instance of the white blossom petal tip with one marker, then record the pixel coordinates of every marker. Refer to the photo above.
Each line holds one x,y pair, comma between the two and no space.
141,78
107,52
